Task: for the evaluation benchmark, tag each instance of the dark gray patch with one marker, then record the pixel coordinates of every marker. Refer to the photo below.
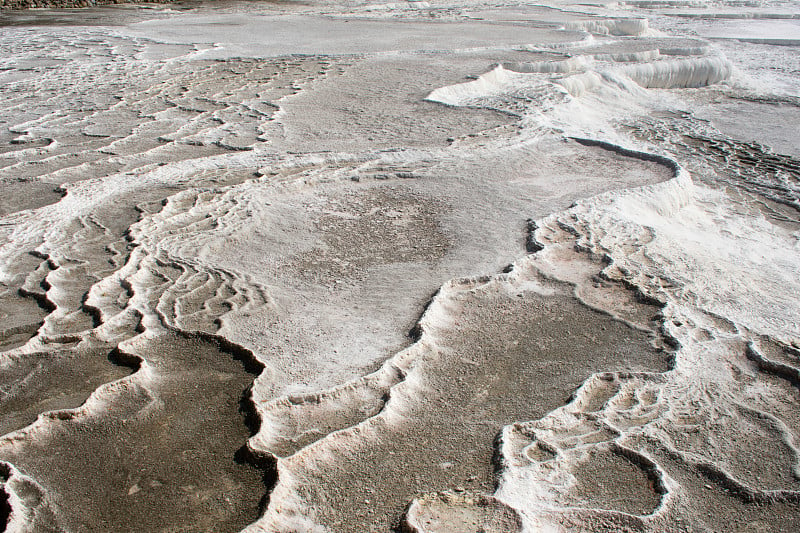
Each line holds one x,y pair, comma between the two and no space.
18,196
163,458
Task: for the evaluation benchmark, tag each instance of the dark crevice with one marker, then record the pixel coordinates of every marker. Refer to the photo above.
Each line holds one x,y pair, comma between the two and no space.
41,299
238,352
124,359
5,504
268,464
415,333
247,409
643,156
498,464
125,284
39,255
531,244
94,312
5,510
138,326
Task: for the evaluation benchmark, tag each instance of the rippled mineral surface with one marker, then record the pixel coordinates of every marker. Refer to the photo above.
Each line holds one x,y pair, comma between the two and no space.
422,266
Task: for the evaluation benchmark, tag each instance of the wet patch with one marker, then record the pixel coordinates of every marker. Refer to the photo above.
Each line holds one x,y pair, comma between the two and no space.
20,319
52,380
608,480
166,457
21,195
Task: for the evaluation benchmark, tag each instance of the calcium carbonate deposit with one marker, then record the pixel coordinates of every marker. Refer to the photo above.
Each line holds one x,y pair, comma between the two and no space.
419,266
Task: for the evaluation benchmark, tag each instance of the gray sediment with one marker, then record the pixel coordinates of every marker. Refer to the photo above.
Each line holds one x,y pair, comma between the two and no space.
168,454
509,357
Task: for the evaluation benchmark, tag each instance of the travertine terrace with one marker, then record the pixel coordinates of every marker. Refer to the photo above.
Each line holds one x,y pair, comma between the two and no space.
419,266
